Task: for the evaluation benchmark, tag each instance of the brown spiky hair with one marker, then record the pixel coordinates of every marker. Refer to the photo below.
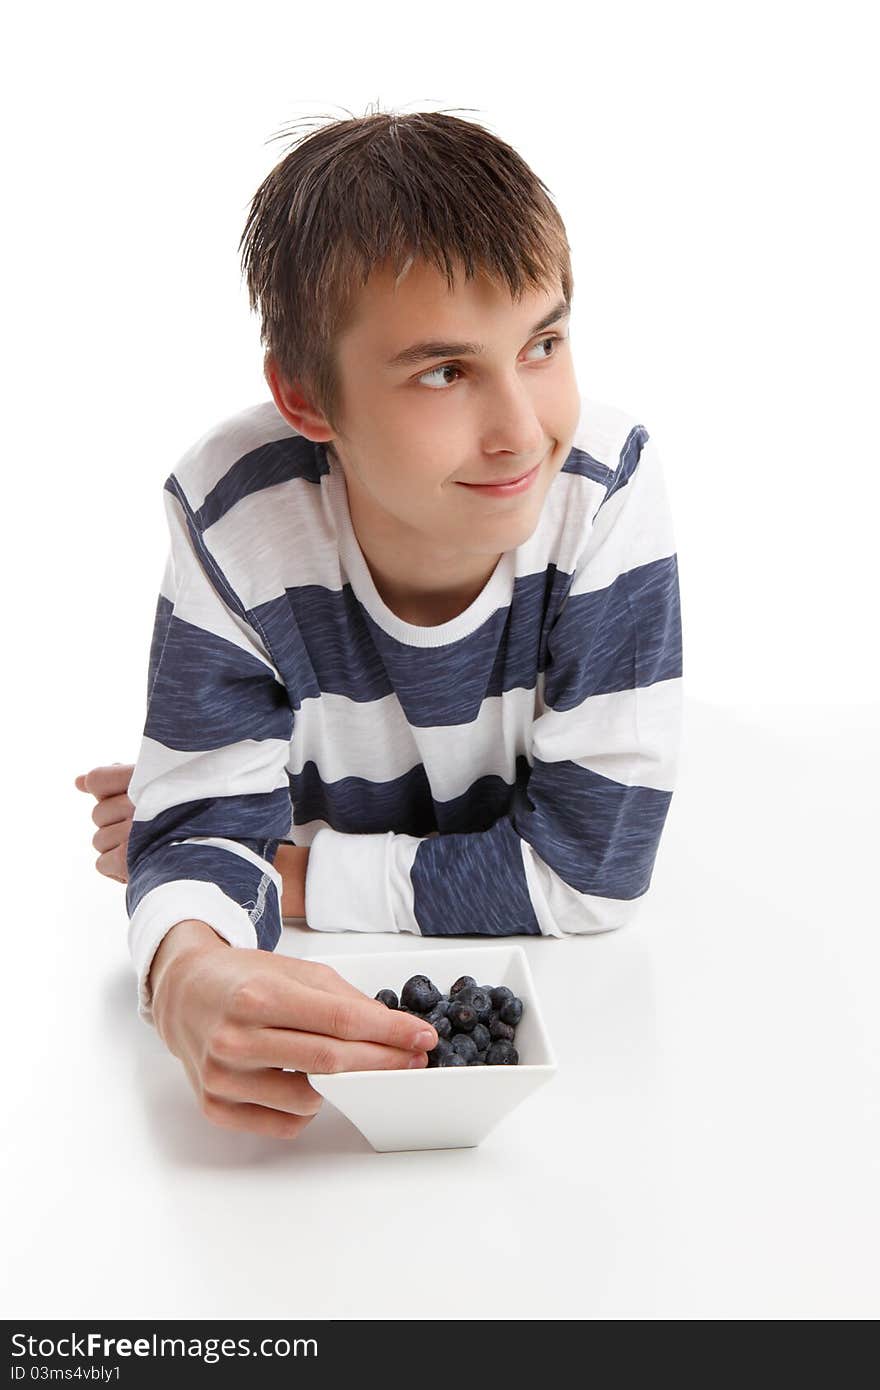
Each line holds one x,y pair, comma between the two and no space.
383,189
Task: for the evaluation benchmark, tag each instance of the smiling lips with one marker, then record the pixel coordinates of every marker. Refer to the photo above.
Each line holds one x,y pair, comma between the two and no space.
502,482
522,480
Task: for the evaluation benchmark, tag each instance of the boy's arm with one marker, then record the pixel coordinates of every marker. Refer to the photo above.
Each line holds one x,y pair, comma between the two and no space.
210,789
577,850
291,861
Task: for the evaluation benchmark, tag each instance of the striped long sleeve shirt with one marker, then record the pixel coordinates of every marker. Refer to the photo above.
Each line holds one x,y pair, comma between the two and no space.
506,772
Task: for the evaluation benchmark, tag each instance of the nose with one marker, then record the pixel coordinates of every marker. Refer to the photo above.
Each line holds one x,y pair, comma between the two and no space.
512,429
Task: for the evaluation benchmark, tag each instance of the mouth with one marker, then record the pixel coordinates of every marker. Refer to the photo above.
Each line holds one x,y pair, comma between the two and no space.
511,485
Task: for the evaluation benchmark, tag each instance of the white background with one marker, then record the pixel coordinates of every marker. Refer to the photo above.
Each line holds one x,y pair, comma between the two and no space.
716,170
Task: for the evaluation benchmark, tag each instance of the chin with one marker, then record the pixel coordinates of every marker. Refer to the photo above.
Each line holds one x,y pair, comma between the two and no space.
521,528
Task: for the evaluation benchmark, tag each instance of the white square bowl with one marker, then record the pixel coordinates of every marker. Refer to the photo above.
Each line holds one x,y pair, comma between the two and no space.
439,1107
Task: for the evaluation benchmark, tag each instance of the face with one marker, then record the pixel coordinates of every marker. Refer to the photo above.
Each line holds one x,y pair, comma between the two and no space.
486,393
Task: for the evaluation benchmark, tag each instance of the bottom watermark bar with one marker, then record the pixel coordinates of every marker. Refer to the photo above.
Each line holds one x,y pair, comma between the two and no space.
135,1353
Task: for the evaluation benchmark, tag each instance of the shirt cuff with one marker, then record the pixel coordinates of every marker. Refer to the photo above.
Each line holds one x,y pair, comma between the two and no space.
180,901
352,882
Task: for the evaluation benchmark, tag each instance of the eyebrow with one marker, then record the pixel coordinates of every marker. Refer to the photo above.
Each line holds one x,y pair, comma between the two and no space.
424,352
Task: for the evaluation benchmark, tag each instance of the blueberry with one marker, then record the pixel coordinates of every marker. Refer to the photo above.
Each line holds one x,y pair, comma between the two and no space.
481,1037
501,1031
442,1027
481,1058
511,1011
479,1001
440,1050
387,997
440,1009
502,1054
465,1046
461,983
454,1059
461,1016
500,995
419,994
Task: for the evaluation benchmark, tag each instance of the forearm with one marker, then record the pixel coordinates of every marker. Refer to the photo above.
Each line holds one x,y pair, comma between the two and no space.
291,862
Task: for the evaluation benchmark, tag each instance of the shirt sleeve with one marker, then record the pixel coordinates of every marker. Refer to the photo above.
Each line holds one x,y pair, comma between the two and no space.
210,789
576,852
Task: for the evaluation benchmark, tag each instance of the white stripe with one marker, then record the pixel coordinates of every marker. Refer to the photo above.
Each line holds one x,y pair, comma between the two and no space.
165,777
372,739
629,736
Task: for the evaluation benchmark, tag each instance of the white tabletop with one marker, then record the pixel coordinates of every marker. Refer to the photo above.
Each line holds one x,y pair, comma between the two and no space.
708,1147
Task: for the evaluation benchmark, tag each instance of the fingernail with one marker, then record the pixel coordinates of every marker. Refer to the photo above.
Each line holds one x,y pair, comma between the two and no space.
417,1062
425,1039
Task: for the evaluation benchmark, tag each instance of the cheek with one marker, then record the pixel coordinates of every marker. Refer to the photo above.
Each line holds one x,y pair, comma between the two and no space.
572,410
564,428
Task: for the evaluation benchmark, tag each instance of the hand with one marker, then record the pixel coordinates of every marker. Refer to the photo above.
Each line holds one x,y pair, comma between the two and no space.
113,814
235,1017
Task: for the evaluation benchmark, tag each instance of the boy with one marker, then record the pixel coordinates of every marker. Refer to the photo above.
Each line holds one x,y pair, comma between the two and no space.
416,663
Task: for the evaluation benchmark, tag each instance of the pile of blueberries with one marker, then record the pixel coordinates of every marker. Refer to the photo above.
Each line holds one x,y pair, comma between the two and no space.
475,1024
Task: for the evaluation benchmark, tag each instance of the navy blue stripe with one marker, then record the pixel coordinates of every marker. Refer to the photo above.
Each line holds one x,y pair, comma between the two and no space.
237,877
473,885
599,836
263,816
324,641
629,461
207,692
279,461
585,466
403,804
618,638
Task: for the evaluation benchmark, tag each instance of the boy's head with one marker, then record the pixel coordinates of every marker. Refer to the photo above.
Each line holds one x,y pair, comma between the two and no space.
377,234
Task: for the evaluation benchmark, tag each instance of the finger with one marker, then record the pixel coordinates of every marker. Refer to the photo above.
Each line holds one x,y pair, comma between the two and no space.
112,810
112,837
113,865
276,1002
255,1118
289,1091
106,781
313,1052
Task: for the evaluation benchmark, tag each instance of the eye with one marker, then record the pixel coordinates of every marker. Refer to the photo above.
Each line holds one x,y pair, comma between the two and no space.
451,366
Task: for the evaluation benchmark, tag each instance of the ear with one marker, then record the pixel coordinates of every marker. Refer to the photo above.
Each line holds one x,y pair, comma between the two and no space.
293,404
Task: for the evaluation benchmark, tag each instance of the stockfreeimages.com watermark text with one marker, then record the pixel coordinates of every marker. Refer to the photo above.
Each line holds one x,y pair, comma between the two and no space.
207,1349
